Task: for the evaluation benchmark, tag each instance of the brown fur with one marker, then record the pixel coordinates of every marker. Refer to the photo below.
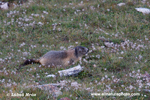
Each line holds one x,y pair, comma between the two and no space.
59,58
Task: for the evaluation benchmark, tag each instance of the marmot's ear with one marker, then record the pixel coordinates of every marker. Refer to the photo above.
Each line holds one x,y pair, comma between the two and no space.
76,51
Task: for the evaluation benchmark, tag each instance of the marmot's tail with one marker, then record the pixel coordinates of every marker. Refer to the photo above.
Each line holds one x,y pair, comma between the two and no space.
29,61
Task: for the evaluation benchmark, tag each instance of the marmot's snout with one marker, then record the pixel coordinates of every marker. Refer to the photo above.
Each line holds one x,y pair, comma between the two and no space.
87,50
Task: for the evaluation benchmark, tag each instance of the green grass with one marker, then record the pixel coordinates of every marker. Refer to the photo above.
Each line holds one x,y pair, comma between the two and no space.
71,23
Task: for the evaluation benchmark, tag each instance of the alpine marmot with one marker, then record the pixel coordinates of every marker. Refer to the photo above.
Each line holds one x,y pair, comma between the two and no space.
59,58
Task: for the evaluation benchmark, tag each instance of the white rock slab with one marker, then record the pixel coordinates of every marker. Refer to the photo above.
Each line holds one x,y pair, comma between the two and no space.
143,10
71,71
4,5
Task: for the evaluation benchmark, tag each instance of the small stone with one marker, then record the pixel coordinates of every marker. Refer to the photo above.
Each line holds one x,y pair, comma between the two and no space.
57,93
65,98
121,4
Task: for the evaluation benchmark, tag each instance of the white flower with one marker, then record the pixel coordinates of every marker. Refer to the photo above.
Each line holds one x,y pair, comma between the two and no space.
1,60
102,47
62,48
59,29
64,9
75,84
136,62
45,12
36,15
108,44
108,9
122,52
131,87
106,76
120,57
140,57
22,44
98,56
40,23
25,53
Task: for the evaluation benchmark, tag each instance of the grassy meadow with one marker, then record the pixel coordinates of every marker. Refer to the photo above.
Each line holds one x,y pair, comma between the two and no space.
35,27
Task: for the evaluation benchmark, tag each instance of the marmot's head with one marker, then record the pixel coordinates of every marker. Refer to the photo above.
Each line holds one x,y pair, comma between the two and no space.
80,51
